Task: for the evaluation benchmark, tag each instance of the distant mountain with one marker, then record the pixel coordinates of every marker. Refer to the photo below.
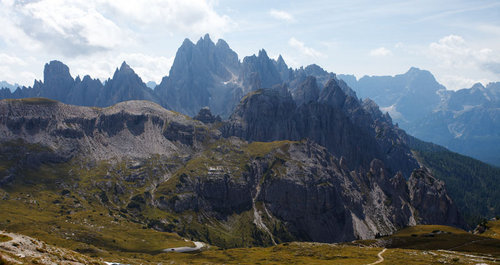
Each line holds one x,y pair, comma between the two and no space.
465,121
205,74
407,97
58,84
151,84
125,85
5,84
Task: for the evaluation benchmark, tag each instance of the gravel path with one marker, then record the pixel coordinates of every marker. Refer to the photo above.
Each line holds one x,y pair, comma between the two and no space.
380,258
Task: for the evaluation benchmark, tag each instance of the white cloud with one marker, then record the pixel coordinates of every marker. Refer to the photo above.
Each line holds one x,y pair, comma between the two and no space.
281,15
190,17
453,51
63,27
293,42
8,59
77,27
12,34
455,55
380,52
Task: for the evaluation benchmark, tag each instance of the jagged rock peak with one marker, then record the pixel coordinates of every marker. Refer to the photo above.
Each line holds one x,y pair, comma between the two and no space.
280,60
332,94
125,67
414,71
123,71
222,44
373,109
477,86
263,54
55,70
86,78
205,41
187,43
205,116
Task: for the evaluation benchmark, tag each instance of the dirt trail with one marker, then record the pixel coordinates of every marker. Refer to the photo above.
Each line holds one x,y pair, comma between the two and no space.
380,258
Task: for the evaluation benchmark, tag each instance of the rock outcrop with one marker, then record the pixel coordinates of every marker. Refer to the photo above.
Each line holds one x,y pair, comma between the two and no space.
299,191
429,197
205,116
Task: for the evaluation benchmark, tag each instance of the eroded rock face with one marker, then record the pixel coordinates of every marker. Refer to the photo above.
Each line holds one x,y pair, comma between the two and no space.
313,194
128,129
428,196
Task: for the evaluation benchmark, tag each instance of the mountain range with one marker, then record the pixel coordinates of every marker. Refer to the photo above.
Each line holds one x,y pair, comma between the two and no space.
208,74
205,74
272,154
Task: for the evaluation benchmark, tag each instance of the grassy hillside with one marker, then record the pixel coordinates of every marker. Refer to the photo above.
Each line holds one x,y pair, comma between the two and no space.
36,252
69,204
473,185
94,210
436,237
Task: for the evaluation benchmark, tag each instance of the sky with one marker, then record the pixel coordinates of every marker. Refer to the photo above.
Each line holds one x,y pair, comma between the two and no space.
458,41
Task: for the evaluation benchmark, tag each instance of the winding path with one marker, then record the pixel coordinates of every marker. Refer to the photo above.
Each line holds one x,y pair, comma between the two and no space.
380,258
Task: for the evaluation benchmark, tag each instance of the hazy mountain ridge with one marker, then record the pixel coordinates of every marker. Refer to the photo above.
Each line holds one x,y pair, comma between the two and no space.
465,121
58,84
5,84
205,74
